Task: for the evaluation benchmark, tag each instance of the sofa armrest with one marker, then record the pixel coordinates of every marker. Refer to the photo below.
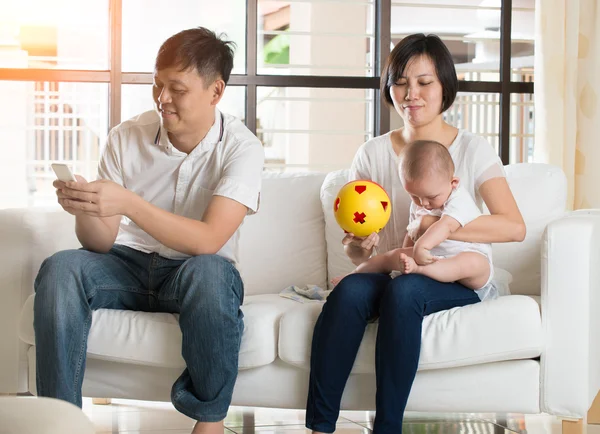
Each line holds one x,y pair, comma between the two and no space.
570,362
14,290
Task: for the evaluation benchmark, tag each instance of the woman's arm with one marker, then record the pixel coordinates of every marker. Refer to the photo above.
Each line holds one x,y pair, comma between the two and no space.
505,224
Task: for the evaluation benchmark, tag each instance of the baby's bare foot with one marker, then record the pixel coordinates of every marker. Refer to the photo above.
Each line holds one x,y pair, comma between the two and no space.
337,280
408,264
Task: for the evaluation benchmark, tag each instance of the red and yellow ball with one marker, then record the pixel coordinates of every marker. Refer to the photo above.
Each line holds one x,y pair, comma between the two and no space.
362,207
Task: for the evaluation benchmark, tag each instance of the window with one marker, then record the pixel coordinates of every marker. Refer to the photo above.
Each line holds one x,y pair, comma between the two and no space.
49,34
310,127
305,77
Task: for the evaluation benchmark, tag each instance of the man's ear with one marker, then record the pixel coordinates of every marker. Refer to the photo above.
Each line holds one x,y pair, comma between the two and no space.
218,89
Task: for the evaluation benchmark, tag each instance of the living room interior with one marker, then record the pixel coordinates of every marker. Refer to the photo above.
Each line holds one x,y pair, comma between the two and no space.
306,81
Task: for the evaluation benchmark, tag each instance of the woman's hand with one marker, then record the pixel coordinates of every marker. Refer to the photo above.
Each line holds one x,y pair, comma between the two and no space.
359,249
366,243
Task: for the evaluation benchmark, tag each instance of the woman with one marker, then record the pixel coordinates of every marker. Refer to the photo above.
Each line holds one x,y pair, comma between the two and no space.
420,81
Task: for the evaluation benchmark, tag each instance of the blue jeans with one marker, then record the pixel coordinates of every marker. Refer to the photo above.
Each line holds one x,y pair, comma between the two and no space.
205,290
400,304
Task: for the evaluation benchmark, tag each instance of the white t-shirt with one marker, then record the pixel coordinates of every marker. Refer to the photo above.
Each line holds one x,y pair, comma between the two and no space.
475,161
227,162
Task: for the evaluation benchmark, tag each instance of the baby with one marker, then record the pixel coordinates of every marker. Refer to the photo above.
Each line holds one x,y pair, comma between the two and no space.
427,174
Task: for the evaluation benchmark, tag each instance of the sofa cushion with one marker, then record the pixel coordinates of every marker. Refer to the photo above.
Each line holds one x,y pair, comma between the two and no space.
154,339
507,328
284,244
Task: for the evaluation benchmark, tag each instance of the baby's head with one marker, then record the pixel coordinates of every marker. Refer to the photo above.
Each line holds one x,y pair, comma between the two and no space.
427,173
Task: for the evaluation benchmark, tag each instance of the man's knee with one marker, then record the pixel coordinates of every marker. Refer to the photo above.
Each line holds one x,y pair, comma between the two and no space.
57,291
209,278
57,267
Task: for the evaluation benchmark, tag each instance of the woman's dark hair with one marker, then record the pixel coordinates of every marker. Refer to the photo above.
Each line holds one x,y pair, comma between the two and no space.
198,48
416,45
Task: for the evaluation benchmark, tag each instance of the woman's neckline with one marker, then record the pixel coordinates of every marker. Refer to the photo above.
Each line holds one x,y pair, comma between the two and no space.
388,136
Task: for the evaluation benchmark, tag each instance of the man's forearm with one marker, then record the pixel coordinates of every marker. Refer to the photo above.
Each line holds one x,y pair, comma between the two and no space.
172,230
95,233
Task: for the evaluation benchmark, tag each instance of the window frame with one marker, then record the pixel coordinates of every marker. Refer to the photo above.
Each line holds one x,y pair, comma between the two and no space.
115,77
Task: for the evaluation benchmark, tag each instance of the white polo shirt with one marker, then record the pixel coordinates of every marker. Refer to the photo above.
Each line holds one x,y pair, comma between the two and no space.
227,162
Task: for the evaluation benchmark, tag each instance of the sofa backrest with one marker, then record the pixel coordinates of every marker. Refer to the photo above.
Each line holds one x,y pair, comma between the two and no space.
540,191
294,239
284,244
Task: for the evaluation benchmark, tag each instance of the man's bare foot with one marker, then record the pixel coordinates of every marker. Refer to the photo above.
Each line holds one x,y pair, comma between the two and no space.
407,264
209,428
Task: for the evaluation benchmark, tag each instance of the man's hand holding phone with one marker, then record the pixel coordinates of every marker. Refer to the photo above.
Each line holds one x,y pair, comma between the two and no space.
101,198
64,175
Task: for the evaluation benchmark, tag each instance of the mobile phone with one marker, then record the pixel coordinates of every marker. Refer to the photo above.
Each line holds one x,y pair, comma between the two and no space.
63,173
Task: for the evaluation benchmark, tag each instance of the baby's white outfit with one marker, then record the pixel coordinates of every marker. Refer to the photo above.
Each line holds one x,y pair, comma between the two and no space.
461,207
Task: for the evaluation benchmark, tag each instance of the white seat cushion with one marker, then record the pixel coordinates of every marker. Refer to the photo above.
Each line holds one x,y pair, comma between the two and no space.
154,339
508,328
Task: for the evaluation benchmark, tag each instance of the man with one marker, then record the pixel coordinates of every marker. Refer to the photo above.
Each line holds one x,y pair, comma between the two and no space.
159,231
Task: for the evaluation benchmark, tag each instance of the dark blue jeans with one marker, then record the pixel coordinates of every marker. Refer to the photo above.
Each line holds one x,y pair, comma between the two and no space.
401,304
206,290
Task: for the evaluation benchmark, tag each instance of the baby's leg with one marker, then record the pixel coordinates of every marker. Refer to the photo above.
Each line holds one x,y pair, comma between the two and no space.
337,280
468,268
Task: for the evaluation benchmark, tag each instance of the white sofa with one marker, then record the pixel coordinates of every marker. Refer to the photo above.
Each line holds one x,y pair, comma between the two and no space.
497,356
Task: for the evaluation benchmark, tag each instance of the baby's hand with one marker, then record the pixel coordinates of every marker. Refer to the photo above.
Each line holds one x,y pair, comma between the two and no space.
423,256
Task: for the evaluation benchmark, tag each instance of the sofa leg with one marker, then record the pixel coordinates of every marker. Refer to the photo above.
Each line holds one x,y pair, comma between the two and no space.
593,416
572,426
101,401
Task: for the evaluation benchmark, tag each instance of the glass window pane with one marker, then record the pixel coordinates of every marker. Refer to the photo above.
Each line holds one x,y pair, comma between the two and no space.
522,128
48,122
469,28
137,98
314,129
148,23
478,113
311,38
523,40
61,34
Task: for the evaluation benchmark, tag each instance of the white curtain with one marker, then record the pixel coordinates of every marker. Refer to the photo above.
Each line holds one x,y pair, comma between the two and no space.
567,86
